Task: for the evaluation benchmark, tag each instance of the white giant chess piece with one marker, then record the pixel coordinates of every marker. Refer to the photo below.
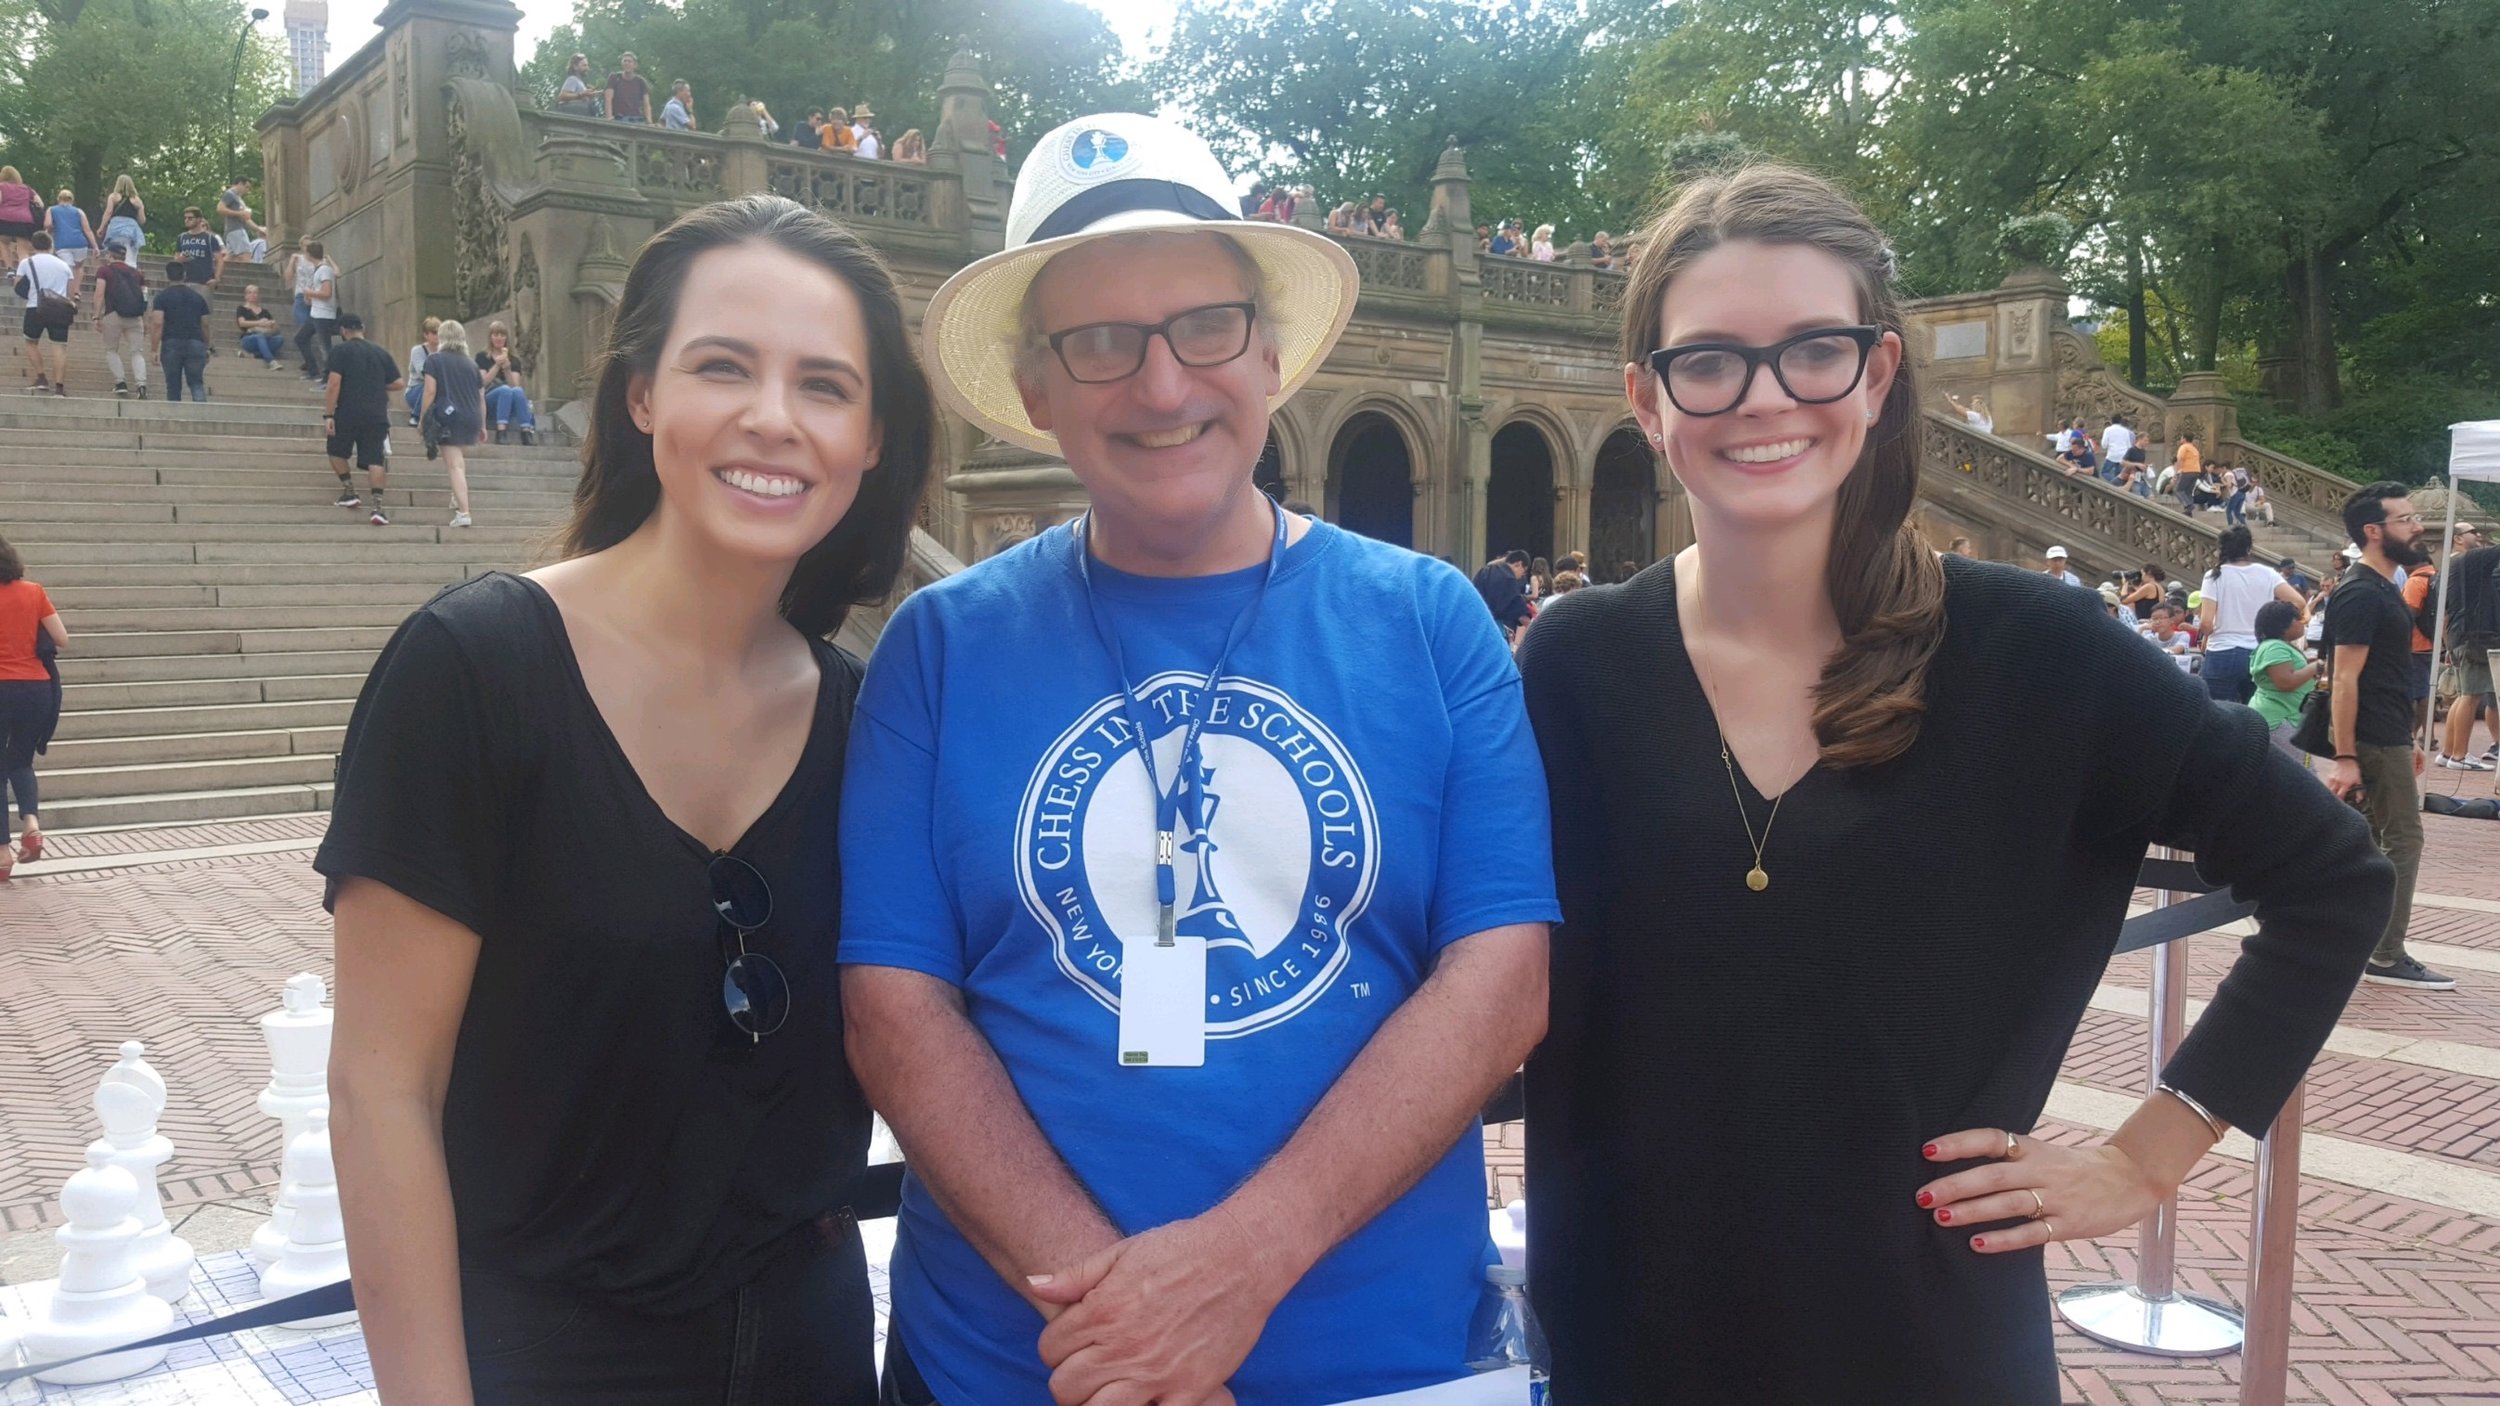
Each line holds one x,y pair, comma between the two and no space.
316,1245
129,1101
101,1301
298,1036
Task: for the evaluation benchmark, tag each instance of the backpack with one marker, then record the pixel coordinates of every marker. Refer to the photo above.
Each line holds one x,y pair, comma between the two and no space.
125,290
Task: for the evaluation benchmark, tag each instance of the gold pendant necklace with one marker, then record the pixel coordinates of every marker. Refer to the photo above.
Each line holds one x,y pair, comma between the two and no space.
1755,878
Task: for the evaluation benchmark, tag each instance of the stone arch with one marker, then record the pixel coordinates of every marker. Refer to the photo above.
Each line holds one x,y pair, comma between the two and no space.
1625,489
1371,477
1519,496
1269,474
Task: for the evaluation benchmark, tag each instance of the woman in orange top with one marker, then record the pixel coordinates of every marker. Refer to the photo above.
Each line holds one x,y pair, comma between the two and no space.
28,700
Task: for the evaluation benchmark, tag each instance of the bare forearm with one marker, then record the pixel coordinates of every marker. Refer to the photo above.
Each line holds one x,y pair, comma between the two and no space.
1414,1091
396,1198
964,1129
2166,1139
2344,704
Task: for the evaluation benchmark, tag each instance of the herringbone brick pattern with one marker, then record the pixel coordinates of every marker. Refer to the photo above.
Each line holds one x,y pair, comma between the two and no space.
2399,1301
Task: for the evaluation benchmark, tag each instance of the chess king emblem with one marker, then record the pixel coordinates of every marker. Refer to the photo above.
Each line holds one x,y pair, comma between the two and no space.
1277,851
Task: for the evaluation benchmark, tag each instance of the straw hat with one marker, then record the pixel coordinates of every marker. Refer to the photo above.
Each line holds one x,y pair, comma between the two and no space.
862,113
1120,173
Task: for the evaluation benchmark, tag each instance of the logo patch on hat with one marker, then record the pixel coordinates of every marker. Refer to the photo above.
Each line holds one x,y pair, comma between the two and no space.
1093,154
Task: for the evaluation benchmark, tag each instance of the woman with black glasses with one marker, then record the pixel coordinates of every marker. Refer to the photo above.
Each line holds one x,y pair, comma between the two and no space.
595,1133
1844,832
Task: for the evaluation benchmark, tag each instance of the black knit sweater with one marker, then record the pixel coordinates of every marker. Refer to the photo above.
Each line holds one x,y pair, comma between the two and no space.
1724,1122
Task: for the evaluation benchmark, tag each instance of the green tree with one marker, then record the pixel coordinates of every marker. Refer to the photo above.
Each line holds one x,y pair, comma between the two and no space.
1049,60
1358,97
93,89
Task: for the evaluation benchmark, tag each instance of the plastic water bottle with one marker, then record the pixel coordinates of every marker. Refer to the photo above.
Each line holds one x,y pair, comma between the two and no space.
1504,1333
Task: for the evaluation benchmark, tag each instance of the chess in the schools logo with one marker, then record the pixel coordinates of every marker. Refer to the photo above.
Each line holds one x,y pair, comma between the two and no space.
1277,850
1093,154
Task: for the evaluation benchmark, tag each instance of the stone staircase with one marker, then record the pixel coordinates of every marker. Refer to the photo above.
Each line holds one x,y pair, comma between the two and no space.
232,376
222,612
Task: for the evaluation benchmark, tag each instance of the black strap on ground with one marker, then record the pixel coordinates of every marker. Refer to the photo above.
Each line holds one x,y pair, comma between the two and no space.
312,1303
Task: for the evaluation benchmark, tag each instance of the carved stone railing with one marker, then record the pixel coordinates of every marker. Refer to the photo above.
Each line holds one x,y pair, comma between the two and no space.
688,168
2290,482
2089,390
1531,284
926,563
2109,526
1606,288
1393,267
854,188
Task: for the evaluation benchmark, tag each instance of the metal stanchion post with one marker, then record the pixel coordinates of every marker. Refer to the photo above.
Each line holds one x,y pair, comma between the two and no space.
2273,1225
2151,1315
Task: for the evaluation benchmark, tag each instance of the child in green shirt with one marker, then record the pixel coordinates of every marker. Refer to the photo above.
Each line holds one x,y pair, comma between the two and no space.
2283,674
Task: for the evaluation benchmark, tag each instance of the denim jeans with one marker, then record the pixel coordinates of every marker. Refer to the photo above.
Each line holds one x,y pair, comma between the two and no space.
509,407
25,706
264,345
184,360
799,1334
2226,675
414,395
310,328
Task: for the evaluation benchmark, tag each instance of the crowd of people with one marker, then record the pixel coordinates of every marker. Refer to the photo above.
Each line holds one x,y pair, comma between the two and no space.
850,131
1375,218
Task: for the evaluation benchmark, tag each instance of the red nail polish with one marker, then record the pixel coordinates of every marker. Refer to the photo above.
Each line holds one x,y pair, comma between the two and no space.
1944,1217
1927,1198
1979,1242
1931,1149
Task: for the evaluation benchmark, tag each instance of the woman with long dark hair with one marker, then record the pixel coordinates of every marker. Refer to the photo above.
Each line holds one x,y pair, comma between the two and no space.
2227,620
1845,831
596,1135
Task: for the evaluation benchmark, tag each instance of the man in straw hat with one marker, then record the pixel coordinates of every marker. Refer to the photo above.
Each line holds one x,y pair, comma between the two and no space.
1198,850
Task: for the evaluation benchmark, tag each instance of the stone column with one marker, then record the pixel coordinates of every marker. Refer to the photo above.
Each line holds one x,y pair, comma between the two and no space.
2202,407
2022,395
1571,519
962,145
1452,221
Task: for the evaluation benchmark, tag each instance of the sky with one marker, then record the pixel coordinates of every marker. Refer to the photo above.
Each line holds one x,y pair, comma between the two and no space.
1139,23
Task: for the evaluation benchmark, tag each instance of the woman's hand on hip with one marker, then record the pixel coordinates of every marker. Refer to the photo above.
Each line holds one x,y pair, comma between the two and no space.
2052,1192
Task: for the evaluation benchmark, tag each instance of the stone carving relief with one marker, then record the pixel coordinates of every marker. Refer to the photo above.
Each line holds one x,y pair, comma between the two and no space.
2086,387
661,168
399,81
467,55
1006,530
478,221
2019,329
528,315
1607,292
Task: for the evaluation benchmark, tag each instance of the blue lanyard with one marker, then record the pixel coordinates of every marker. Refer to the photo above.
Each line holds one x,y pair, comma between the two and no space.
1168,799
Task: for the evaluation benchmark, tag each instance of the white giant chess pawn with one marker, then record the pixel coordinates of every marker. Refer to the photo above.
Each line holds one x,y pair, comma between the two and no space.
100,1301
298,1035
130,1101
316,1246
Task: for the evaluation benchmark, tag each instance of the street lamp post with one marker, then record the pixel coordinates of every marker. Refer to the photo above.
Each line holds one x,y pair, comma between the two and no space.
234,80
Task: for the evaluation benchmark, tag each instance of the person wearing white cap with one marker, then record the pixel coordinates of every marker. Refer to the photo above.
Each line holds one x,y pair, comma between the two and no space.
2057,567
1211,874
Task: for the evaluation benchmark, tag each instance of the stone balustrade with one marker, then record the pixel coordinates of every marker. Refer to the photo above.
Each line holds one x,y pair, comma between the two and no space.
2106,528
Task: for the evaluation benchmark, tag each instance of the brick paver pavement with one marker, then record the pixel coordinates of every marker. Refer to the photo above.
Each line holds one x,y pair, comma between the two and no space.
2399,1300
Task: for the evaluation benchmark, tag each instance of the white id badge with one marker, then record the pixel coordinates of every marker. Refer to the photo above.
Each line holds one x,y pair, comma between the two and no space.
1163,1003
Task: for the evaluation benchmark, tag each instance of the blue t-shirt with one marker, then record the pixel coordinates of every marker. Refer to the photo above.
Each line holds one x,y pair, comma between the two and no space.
1371,794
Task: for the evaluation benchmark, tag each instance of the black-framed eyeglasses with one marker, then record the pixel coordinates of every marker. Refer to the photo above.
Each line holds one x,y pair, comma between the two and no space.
1814,368
752,987
1101,352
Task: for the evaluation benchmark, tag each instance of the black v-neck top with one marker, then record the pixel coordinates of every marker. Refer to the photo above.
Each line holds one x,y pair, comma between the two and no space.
1725,1119
605,1128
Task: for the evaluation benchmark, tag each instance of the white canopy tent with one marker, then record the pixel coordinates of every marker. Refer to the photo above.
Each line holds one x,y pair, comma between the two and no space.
2473,453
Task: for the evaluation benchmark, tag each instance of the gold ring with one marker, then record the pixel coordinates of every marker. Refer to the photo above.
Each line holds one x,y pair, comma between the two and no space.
2039,1207
2011,1146
2051,1227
